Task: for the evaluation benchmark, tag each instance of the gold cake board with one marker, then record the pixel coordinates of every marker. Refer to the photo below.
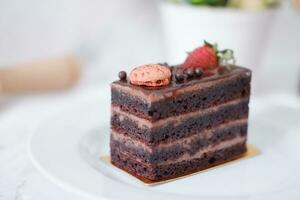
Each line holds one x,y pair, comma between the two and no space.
251,152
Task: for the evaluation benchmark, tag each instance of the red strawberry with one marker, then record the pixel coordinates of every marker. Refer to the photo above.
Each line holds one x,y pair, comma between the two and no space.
204,57
207,57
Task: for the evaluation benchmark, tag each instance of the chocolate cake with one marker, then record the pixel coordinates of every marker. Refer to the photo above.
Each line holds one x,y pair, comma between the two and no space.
194,120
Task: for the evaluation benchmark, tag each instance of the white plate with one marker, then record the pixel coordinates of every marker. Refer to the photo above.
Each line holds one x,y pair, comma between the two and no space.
67,147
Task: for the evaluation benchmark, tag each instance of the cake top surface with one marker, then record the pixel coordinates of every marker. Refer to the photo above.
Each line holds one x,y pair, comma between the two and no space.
218,74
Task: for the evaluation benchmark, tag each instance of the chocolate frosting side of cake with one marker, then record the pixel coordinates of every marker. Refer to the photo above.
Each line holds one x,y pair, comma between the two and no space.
163,132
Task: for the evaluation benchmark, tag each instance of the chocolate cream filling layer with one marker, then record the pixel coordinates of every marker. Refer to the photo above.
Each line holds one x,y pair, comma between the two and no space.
210,149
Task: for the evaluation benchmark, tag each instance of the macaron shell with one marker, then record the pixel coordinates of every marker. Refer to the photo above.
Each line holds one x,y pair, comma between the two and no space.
150,75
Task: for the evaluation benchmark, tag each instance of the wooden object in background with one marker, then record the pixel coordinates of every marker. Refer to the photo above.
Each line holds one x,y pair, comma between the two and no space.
43,75
297,4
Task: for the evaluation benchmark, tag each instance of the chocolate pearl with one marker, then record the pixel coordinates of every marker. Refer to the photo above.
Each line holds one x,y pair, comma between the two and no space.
190,72
199,72
179,76
122,75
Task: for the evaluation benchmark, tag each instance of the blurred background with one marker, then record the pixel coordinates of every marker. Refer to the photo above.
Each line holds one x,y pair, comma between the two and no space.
55,52
107,36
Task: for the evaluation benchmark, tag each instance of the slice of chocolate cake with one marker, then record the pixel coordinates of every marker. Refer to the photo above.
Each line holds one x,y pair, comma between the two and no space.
171,121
